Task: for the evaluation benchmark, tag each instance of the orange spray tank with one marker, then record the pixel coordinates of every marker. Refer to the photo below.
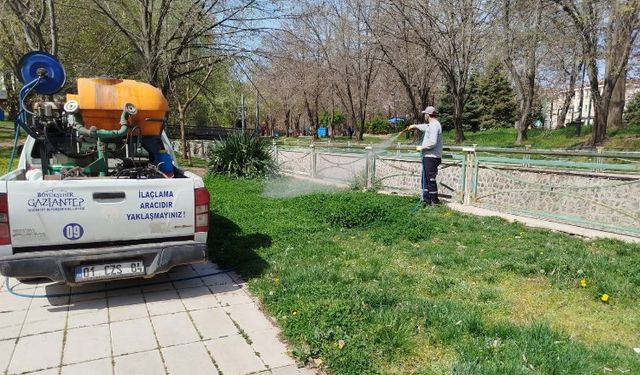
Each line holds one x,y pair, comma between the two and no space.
101,101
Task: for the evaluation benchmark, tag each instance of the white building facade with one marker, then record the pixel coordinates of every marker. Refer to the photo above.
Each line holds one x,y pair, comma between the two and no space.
556,101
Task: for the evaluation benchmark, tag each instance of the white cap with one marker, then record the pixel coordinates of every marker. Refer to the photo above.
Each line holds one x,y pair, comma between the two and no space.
430,110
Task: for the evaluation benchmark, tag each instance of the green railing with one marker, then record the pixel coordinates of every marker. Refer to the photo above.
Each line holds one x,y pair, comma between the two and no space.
591,188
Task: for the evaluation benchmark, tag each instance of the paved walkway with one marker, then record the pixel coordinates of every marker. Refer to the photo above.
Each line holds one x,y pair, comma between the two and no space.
544,224
205,325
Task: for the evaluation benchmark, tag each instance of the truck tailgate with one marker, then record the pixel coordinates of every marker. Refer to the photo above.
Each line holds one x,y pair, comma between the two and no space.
98,211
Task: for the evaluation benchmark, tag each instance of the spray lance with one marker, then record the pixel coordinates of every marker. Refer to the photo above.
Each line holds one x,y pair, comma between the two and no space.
411,127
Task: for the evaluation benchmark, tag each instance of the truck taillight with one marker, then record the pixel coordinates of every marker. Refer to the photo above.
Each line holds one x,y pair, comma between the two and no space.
5,235
202,209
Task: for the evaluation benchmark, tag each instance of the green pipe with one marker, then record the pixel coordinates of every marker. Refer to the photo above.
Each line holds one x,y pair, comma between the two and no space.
105,134
116,133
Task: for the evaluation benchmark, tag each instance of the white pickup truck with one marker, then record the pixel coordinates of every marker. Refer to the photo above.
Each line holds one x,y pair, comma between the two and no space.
97,194
87,229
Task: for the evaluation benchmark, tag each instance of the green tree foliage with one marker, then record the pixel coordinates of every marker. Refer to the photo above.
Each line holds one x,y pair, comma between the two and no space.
472,116
338,118
496,98
490,101
445,108
378,125
632,112
217,105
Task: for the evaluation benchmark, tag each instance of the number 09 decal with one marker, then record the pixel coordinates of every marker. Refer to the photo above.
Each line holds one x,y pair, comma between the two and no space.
73,231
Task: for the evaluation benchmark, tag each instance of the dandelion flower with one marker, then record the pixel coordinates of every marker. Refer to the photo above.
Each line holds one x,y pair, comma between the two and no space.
605,298
583,283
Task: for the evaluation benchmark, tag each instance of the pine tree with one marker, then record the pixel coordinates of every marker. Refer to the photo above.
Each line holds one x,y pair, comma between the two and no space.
632,112
497,99
473,106
445,108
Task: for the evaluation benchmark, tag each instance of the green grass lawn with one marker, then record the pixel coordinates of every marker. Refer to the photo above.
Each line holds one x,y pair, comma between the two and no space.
362,286
195,162
306,140
628,138
5,156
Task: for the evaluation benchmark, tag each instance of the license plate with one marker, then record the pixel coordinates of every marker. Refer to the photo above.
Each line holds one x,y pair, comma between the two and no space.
89,272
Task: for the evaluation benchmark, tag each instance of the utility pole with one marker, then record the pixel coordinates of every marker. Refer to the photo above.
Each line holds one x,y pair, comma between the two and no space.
257,109
579,119
242,114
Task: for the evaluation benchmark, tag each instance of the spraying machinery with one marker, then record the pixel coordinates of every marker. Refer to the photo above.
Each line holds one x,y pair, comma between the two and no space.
97,194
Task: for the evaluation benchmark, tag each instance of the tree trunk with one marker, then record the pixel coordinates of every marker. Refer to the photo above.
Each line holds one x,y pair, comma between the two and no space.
616,105
287,122
523,124
361,129
568,97
183,139
562,116
312,125
458,110
297,125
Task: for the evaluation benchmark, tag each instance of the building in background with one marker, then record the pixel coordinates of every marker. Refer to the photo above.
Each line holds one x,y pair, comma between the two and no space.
556,101
3,88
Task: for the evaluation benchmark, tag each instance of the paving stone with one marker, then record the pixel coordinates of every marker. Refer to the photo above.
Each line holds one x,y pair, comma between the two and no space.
220,283
82,307
272,351
286,370
213,323
307,371
85,344
6,349
11,323
174,329
87,313
44,319
87,319
18,286
190,283
118,322
9,302
205,268
249,317
147,363
157,283
191,359
198,298
127,307
124,287
234,356
182,272
51,371
89,291
163,302
238,297
99,367
131,336
57,292
47,345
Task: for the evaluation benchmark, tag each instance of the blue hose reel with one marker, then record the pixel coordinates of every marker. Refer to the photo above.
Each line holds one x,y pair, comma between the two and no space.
45,67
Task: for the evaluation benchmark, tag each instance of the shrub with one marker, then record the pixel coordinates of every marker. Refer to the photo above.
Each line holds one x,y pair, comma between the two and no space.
350,209
378,125
632,112
241,155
